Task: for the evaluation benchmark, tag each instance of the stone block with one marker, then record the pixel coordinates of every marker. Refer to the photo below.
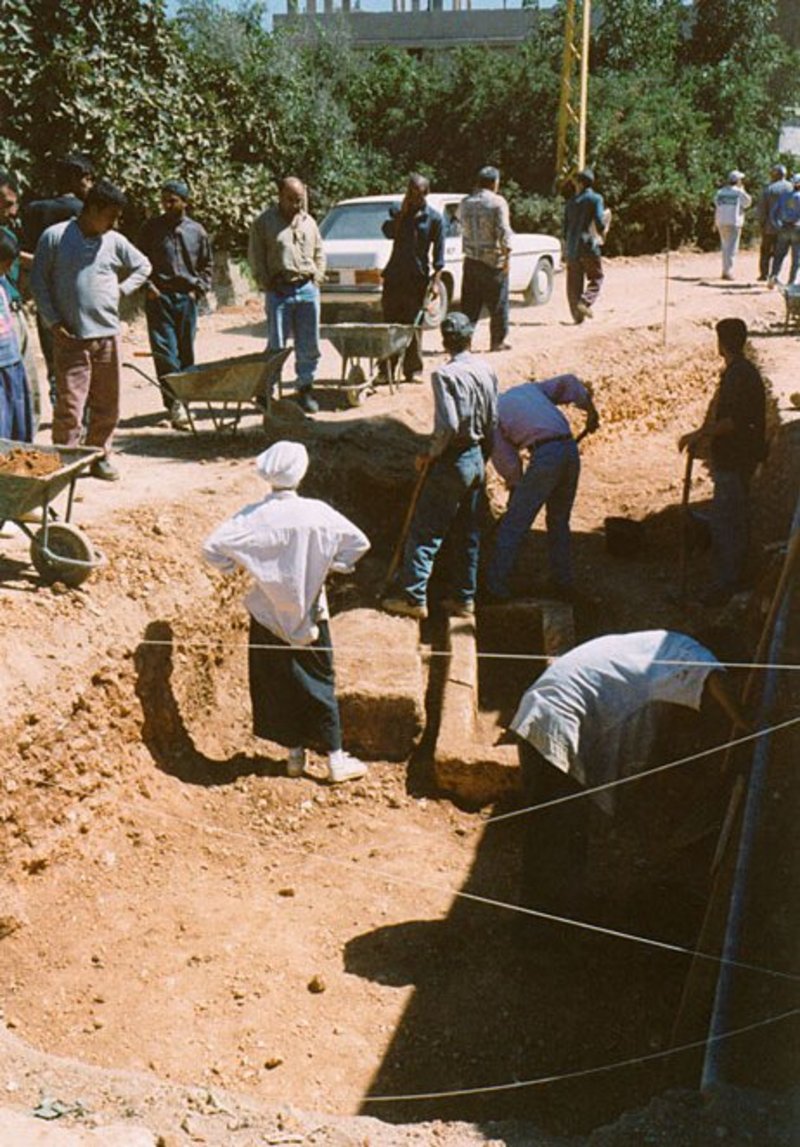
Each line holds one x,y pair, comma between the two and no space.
379,682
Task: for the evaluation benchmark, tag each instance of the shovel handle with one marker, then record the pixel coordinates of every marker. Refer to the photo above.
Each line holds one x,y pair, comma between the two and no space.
684,556
412,505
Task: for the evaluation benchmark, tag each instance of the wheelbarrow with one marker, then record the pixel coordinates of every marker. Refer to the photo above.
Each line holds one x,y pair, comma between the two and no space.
374,342
225,386
59,551
791,298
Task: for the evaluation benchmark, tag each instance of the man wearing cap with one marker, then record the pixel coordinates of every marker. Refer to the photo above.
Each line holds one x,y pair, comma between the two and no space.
289,545
286,256
734,430
530,422
180,251
415,264
786,217
585,225
730,204
81,270
487,249
465,416
768,200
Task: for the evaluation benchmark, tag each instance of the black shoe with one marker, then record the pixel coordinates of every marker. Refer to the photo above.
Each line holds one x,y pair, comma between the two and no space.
495,347
306,401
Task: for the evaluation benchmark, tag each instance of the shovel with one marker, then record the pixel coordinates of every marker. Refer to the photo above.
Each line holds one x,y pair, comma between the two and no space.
685,525
401,540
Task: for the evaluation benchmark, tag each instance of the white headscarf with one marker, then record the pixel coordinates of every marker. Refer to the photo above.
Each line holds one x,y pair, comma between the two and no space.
283,465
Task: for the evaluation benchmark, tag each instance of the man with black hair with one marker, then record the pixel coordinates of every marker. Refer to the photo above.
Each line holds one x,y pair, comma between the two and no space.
465,417
415,264
180,251
734,430
80,270
487,250
74,176
585,225
768,200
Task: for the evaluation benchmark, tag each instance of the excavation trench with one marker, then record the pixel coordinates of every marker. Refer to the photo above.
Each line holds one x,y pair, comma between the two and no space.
174,896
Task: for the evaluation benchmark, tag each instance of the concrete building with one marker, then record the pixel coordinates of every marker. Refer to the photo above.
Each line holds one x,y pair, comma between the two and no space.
414,28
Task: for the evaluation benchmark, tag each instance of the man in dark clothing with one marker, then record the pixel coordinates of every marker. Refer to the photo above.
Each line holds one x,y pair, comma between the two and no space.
417,231
585,224
180,251
768,200
74,176
735,431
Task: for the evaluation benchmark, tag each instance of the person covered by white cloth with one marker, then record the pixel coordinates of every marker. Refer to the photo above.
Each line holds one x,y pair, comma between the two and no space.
289,544
591,719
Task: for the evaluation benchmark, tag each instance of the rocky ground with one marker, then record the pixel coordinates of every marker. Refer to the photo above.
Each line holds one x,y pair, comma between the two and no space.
197,946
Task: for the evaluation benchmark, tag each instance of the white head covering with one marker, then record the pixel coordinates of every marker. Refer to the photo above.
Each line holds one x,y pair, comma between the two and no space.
283,465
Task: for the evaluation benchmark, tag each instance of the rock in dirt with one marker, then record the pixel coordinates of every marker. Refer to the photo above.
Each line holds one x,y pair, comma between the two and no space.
21,1129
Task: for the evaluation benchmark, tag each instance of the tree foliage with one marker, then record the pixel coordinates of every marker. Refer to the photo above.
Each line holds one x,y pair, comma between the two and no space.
676,100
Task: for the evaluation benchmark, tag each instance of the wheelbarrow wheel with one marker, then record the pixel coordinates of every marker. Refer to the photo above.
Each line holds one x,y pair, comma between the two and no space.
63,542
356,385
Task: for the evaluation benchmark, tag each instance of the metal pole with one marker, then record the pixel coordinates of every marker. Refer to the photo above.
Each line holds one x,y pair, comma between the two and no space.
666,291
714,1063
584,104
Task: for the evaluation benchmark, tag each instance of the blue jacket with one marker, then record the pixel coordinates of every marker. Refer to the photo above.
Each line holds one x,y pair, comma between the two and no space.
580,212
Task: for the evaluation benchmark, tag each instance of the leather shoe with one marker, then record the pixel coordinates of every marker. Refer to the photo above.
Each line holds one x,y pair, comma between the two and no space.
495,347
101,468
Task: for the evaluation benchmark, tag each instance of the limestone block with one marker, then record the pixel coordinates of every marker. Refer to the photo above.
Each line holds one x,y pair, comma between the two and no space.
379,682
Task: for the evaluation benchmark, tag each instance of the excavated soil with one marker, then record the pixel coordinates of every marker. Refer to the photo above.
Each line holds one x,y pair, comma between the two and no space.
193,942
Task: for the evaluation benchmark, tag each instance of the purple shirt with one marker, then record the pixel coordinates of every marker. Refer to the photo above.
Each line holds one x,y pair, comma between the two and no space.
528,415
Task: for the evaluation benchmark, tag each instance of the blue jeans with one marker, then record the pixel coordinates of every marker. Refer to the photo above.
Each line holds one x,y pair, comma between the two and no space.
551,479
730,528
784,241
293,313
447,507
171,326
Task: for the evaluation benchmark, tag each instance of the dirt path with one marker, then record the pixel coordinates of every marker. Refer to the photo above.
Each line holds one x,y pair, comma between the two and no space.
197,917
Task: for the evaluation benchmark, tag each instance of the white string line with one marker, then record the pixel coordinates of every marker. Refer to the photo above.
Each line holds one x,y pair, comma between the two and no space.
392,878
180,643
643,775
579,1073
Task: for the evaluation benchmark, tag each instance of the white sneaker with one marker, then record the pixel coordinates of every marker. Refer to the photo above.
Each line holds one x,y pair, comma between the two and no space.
296,762
343,767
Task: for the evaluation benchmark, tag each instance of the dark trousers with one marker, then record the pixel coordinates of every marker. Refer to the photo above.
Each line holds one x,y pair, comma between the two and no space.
765,253
292,690
402,300
584,280
485,286
556,838
171,325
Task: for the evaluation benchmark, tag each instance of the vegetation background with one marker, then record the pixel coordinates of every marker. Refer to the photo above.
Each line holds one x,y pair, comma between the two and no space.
678,97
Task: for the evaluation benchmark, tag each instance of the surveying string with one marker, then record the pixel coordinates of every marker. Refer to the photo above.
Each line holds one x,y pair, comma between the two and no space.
647,773
580,1073
392,878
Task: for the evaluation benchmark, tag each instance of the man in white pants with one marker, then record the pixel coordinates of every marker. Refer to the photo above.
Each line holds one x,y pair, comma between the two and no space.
730,202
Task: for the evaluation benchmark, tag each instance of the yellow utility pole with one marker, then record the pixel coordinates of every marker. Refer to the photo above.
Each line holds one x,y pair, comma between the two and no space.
574,100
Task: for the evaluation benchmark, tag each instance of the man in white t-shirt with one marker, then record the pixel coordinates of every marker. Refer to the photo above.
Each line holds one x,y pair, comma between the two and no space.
590,719
730,204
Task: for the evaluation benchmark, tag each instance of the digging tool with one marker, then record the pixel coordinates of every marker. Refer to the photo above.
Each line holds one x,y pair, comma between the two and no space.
401,540
685,524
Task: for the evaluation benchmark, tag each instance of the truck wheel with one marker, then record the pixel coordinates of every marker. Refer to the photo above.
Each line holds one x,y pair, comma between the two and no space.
540,289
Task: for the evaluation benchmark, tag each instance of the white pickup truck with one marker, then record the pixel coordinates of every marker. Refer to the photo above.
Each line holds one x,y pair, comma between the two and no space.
357,252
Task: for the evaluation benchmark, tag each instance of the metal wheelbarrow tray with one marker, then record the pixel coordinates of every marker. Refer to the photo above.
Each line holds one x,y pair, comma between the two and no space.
376,342
228,383
59,551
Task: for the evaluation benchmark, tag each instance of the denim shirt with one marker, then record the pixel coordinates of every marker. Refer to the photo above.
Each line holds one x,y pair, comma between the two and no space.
414,236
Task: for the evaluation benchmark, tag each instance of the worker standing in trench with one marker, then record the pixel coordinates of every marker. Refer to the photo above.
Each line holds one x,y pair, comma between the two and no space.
289,545
589,720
